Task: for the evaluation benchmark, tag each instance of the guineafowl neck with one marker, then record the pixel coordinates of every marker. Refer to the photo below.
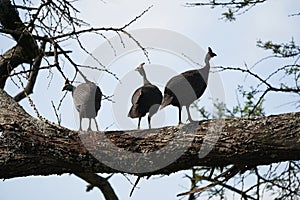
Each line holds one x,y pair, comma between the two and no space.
146,81
205,71
72,88
206,68
207,59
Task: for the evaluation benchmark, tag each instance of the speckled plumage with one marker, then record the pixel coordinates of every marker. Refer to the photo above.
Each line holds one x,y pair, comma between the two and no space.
87,100
185,88
145,99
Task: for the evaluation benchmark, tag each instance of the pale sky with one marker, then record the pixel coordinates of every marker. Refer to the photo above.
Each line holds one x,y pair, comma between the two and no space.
234,43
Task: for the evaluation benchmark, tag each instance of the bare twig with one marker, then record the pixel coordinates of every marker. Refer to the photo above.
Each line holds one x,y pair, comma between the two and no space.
58,117
134,186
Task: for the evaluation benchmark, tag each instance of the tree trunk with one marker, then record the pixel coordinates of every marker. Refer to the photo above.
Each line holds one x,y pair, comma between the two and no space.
26,48
37,147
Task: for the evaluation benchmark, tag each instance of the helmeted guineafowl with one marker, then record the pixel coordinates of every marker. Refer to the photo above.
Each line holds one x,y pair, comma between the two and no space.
145,99
185,88
87,100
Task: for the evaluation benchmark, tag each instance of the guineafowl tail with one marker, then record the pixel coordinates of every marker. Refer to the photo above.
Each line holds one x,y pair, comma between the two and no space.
133,112
166,101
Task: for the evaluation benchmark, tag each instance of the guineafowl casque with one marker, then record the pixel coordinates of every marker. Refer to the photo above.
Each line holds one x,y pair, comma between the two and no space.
145,99
185,88
87,100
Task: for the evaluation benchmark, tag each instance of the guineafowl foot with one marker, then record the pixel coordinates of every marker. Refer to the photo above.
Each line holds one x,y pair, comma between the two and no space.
191,120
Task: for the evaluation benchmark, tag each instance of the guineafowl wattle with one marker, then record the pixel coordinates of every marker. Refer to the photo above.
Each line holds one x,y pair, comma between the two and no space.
185,88
87,100
145,99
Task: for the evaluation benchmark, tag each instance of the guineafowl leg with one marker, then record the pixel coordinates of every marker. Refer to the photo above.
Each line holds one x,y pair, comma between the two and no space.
89,128
139,123
189,114
96,124
153,109
80,120
149,121
179,110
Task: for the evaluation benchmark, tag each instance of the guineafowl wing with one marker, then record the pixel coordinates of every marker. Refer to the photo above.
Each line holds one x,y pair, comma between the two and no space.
136,95
98,98
149,95
196,81
84,97
183,89
142,100
80,95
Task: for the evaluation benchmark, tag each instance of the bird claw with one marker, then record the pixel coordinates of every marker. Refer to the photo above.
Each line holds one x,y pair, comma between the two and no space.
191,120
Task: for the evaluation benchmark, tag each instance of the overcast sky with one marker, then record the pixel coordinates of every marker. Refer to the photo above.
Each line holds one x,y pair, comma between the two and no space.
234,43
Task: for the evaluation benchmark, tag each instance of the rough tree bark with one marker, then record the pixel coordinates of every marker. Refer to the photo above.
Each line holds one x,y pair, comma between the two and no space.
26,48
29,146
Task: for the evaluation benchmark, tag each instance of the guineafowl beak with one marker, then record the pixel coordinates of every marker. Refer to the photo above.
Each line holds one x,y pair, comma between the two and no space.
139,67
67,87
64,88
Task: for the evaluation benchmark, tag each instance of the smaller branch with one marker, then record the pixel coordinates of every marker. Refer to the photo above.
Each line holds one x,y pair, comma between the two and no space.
24,7
96,59
90,30
136,18
33,75
293,15
102,183
56,114
134,186
230,3
228,174
108,98
244,71
259,101
35,16
26,71
233,189
264,81
50,53
61,100
139,44
29,99
233,7
104,69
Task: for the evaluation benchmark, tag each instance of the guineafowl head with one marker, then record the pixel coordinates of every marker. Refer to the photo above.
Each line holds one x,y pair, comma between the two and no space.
142,72
140,69
68,86
211,53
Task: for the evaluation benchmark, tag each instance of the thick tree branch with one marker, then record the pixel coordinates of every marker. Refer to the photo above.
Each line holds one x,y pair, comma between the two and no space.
32,147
